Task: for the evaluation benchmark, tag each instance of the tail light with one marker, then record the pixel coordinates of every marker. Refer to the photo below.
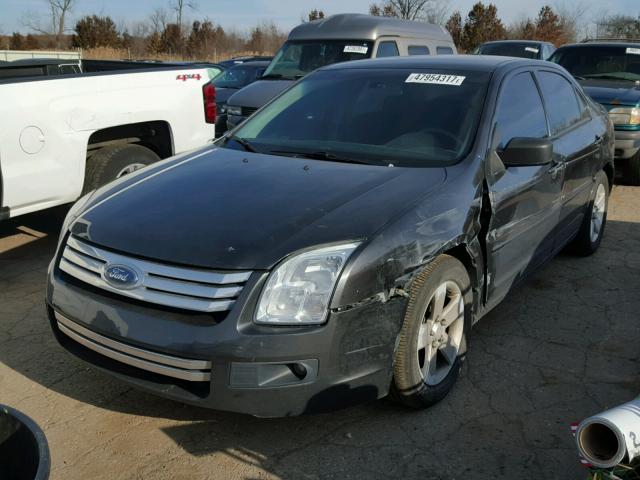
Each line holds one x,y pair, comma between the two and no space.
209,98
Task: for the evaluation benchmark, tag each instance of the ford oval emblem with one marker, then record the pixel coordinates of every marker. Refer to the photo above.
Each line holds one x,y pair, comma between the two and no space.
121,277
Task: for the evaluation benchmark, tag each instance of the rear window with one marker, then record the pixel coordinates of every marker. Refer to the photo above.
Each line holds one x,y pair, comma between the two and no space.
444,50
600,61
418,50
416,118
511,49
388,49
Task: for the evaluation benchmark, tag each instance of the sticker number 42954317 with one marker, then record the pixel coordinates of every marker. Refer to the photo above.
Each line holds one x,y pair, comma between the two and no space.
633,51
435,79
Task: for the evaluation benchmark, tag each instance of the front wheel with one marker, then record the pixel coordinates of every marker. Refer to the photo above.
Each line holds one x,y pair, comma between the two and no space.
433,339
591,231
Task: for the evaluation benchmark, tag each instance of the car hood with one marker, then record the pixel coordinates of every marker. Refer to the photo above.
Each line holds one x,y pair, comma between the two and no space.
223,94
611,92
259,93
226,209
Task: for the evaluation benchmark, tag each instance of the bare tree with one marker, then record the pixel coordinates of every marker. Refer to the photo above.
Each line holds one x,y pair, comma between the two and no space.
573,19
179,6
158,19
432,11
59,10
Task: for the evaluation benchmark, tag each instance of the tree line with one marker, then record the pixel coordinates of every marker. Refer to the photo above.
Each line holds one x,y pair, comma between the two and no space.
166,30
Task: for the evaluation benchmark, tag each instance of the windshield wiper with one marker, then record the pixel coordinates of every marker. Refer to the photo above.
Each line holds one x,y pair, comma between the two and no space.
270,75
242,141
319,156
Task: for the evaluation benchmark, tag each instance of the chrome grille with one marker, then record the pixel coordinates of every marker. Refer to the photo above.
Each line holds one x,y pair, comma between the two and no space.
185,288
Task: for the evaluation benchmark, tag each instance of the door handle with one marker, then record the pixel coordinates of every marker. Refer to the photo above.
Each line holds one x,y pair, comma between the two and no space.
598,140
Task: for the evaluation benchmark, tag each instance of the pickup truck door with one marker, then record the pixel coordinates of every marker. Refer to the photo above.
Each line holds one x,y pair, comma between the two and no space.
524,201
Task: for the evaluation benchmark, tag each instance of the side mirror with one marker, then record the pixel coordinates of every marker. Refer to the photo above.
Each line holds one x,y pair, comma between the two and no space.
527,152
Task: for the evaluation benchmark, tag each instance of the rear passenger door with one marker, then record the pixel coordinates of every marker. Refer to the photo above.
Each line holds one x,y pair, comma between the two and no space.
575,145
524,200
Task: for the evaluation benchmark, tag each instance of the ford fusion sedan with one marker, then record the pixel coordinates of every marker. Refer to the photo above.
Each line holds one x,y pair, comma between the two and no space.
340,244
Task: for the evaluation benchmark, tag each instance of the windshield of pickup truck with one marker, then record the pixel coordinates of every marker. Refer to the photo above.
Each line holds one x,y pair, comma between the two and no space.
510,49
603,62
297,58
417,118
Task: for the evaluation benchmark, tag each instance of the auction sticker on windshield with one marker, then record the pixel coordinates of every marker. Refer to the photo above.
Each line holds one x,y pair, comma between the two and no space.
435,79
531,49
356,49
633,51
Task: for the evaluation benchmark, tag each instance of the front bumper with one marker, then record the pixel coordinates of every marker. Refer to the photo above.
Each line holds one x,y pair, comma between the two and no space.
230,364
627,143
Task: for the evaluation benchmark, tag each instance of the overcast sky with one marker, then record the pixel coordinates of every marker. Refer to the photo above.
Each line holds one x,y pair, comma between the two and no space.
243,14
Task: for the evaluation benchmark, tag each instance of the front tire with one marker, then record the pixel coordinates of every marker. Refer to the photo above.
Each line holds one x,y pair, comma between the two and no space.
592,229
110,163
433,339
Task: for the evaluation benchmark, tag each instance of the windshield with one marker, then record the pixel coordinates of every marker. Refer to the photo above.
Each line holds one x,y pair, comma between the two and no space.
238,76
604,62
297,58
418,117
524,50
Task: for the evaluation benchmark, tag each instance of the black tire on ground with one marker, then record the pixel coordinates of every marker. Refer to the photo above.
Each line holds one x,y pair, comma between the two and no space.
108,163
631,170
409,386
584,244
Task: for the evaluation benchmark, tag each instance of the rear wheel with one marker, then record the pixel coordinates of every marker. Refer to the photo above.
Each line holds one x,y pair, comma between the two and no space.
433,339
595,220
111,163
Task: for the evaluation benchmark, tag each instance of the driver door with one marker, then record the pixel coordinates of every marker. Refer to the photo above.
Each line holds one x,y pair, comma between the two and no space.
525,201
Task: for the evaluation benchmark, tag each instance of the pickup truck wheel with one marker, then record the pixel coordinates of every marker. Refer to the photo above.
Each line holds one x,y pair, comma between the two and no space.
591,231
111,163
433,339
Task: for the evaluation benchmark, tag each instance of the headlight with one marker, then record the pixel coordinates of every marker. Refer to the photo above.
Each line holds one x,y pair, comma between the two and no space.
625,116
75,211
233,110
299,289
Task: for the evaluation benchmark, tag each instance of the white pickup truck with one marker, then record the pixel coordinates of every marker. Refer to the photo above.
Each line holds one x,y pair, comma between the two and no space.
62,136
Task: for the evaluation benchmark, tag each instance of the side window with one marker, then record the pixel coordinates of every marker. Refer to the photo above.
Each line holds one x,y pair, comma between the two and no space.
418,50
444,50
520,112
561,101
388,49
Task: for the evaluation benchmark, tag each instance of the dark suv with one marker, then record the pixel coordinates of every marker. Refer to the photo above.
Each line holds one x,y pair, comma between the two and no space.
609,72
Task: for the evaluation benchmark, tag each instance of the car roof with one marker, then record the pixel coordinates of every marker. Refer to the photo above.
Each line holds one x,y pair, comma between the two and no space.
355,26
603,43
255,64
480,63
532,42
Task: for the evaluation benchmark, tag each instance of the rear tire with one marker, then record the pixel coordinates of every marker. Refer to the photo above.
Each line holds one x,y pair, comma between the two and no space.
592,229
111,163
433,339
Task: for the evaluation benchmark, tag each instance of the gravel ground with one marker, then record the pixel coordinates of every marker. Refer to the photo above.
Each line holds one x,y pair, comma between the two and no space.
562,347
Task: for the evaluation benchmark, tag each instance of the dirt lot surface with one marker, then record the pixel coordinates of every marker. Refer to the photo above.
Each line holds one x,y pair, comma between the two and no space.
561,347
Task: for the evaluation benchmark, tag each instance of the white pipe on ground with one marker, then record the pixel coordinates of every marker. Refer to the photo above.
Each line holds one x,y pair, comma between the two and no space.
611,437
